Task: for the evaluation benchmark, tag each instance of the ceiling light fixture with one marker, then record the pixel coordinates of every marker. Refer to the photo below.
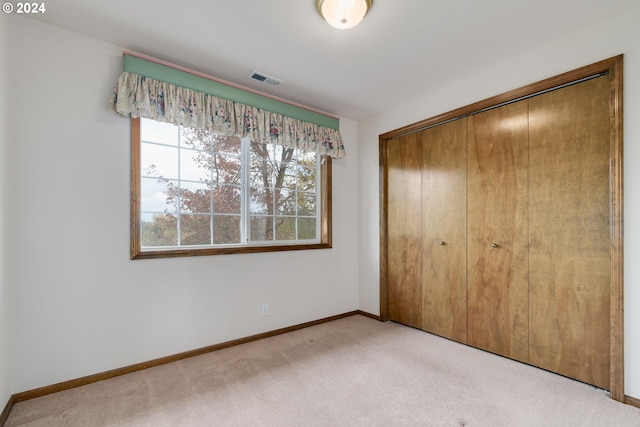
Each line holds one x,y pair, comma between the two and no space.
343,14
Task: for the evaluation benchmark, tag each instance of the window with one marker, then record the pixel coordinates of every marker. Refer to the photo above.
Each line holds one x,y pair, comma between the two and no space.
197,193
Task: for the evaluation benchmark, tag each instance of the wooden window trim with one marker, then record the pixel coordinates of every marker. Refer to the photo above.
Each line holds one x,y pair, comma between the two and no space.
135,220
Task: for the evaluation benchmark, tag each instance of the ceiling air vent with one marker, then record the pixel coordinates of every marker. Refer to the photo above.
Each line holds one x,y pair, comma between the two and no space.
257,75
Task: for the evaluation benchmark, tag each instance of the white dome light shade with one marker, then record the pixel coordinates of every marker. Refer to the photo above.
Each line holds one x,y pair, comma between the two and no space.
343,14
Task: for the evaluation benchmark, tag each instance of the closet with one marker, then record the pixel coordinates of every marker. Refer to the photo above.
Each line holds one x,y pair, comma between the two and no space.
501,225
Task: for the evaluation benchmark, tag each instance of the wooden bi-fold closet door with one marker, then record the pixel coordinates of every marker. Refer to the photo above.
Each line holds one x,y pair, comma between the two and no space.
427,230
404,213
498,230
569,228
444,237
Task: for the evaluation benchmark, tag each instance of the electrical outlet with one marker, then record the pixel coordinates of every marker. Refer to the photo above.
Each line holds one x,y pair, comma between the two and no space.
265,309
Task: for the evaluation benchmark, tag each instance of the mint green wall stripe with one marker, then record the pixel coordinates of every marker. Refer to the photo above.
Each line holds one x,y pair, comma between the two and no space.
167,74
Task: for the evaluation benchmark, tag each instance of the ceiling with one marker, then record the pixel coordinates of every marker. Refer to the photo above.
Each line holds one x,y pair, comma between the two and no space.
402,48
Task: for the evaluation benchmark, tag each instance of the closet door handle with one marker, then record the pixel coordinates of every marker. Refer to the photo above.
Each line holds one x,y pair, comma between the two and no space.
442,243
495,245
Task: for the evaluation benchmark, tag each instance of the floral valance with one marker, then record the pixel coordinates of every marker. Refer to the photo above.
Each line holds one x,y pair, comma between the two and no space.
139,96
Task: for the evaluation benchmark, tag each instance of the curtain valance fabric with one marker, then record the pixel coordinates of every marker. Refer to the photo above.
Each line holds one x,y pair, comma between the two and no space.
140,96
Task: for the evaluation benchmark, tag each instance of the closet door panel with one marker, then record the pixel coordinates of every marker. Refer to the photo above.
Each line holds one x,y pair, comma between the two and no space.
444,240
404,219
569,247
498,230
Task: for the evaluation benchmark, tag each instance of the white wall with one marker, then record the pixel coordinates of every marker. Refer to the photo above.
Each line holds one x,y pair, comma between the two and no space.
5,367
604,40
80,306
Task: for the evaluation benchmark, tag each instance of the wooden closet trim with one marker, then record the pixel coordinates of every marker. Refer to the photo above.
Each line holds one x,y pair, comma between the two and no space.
612,66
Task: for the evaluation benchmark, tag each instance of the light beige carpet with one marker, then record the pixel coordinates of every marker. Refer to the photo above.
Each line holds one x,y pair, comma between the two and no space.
350,372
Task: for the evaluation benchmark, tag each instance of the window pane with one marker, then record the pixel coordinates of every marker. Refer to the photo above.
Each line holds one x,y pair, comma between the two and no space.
161,133
195,229
267,159
285,202
225,169
306,228
262,173
261,228
227,144
159,161
282,154
307,159
261,201
195,197
307,204
159,230
289,179
194,165
260,151
286,175
285,228
226,199
306,178
226,229
154,197
197,139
